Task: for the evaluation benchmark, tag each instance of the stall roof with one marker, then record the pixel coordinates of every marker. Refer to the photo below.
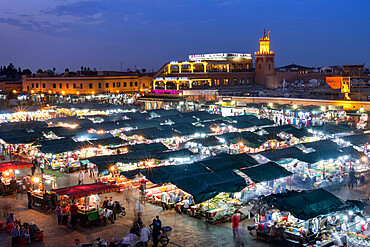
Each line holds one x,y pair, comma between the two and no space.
284,153
320,155
249,139
148,148
321,145
20,136
70,120
93,136
208,141
27,125
206,186
181,153
357,140
105,161
110,141
65,132
62,145
266,172
164,174
162,112
331,129
79,191
351,151
245,120
203,116
306,204
15,165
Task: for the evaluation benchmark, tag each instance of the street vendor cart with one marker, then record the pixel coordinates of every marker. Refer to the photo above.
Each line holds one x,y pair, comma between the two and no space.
87,199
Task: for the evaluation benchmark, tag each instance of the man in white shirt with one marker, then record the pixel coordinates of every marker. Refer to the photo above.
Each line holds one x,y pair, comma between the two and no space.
164,200
186,203
107,214
144,236
81,178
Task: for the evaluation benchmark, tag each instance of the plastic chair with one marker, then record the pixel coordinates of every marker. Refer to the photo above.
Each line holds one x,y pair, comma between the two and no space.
40,236
24,241
1,226
9,227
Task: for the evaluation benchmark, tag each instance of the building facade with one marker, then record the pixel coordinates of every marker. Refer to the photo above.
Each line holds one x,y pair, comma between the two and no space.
85,85
206,70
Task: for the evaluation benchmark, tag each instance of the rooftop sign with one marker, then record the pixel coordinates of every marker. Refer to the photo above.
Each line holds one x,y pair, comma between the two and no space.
219,56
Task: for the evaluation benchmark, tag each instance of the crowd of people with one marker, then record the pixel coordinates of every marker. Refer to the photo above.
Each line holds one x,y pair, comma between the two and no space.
22,234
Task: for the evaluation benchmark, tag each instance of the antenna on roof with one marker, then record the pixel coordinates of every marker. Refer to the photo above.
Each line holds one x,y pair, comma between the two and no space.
268,35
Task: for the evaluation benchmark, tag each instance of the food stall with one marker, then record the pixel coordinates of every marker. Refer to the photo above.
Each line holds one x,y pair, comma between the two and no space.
9,170
308,218
87,198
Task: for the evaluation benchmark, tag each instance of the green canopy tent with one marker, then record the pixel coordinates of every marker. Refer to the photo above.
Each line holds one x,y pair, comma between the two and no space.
148,148
357,140
208,141
206,186
352,152
330,129
249,139
266,172
317,156
307,204
278,154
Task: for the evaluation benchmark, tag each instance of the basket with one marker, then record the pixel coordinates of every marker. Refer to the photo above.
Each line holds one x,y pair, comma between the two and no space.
167,230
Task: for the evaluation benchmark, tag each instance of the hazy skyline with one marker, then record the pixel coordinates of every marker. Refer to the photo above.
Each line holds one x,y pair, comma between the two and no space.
103,34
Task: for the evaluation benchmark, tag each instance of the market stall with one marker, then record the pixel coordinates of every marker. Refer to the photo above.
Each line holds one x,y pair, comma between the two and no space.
9,174
87,199
312,217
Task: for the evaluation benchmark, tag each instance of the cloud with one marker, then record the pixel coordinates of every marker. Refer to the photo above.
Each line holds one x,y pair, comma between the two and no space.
49,16
130,17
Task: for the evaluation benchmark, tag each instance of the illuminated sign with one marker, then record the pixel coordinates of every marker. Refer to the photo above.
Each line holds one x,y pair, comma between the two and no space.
219,56
171,78
160,91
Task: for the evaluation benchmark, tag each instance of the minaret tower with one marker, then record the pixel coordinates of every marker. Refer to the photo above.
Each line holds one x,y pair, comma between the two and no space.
265,63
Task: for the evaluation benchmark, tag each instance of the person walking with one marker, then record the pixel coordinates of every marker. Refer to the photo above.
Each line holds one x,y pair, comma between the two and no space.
2,188
29,197
155,232
42,167
16,235
58,211
14,186
352,179
164,201
91,168
46,198
33,169
73,211
65,214
81,178
235,224
96,170
144,236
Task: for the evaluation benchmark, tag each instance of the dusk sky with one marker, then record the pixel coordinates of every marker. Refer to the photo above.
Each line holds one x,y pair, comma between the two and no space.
103,33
